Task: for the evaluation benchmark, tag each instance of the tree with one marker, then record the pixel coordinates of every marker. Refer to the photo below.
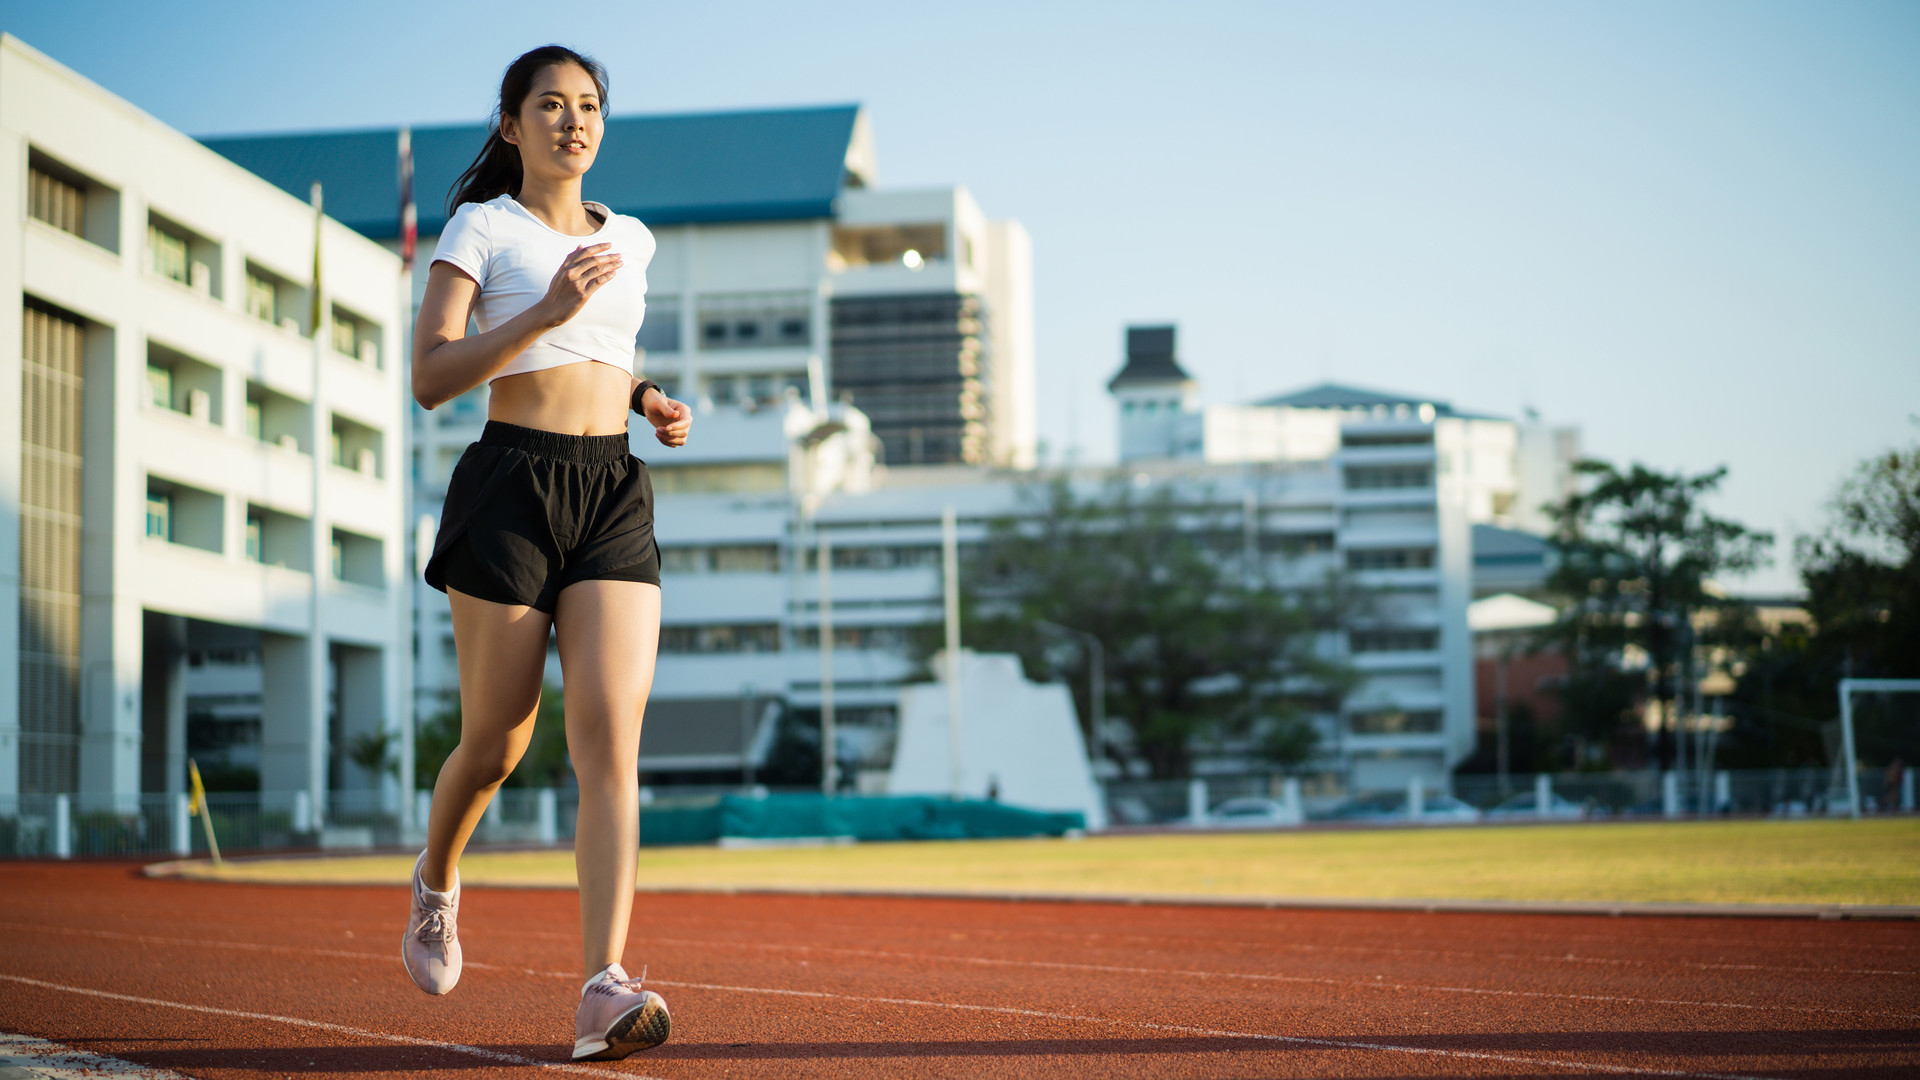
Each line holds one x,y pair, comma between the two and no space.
545,763
373,752
1635,552
1862,578
1197,642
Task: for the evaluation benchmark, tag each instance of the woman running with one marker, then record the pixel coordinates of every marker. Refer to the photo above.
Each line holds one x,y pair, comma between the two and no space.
548,523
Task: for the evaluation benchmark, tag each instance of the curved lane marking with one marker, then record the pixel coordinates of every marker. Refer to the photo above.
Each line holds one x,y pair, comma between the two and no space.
321,1025
1375,984
1183,1029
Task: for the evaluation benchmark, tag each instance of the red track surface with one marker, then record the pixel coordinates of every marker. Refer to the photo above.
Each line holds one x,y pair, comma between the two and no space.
157,972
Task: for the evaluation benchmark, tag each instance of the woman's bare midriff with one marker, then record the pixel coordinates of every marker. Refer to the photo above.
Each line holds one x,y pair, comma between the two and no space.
588,398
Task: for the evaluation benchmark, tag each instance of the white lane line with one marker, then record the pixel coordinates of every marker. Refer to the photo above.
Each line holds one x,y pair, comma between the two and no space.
1181,1029
321,1025
1215,1033
1315,980
23,1056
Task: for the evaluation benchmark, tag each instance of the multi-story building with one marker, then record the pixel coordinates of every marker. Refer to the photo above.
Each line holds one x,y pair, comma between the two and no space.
202,451
781,267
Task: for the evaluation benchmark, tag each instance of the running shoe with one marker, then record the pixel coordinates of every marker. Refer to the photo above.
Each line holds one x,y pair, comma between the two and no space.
431,947
616,1017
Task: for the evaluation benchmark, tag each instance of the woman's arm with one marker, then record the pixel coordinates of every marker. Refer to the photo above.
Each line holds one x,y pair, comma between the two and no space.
448,363
671,419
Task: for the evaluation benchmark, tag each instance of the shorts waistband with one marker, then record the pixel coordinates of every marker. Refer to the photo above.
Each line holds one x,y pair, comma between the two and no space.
584,449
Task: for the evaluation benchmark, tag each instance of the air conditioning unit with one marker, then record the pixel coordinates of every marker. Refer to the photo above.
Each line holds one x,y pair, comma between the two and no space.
202,278
364,460
289,443
290,324
200,406
370,353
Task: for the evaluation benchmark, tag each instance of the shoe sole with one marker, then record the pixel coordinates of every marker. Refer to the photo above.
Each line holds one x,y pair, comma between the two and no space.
641,1028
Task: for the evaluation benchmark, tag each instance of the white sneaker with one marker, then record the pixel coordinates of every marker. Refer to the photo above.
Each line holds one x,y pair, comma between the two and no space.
616,1017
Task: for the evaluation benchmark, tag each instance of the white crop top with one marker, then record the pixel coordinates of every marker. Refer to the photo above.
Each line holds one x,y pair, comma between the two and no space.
514,255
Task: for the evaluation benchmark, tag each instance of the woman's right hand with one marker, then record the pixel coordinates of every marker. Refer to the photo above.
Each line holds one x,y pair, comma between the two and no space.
578,278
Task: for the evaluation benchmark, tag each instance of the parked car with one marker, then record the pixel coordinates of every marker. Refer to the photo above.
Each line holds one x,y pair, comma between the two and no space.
1392,806
1523,806
1251,812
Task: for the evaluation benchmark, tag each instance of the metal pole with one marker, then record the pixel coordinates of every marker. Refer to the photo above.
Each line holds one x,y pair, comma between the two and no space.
824,548
747,692
1846,748
950,564
1501,753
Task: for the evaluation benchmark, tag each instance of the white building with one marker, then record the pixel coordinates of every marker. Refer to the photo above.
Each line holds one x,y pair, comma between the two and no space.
190,471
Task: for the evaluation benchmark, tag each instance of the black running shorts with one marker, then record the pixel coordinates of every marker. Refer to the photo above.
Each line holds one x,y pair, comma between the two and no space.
530,512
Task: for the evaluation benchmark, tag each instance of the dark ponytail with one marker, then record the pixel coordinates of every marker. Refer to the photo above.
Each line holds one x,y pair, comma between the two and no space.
496,171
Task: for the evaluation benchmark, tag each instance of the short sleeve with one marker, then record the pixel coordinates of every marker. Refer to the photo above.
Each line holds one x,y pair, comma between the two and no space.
466,243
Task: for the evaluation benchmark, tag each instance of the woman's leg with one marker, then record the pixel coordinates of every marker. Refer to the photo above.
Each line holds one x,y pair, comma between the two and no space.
608,631
502,654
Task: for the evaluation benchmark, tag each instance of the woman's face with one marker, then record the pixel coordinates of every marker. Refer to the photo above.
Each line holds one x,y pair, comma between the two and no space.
559,126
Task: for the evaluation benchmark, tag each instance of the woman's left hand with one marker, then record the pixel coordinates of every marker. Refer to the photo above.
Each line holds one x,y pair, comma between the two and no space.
671,419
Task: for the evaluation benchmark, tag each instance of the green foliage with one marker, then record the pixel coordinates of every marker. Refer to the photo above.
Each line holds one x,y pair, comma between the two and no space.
1862,576
1197,644
545,763
374,753
1635,552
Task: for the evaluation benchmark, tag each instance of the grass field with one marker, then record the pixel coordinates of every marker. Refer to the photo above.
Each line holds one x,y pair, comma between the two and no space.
1844,862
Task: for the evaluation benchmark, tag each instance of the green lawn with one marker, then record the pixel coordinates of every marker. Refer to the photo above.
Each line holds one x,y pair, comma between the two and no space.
1867,862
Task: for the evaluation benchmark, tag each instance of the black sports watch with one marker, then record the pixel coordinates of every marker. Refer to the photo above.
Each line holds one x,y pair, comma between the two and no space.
640,393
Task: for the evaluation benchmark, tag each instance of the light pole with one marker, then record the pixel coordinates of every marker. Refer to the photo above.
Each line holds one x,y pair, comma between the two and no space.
1096,686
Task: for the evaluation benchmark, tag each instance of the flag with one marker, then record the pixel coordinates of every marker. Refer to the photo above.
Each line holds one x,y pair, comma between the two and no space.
197,798
409,220
319,216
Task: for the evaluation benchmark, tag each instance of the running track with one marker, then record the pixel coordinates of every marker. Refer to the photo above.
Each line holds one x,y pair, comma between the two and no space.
248,982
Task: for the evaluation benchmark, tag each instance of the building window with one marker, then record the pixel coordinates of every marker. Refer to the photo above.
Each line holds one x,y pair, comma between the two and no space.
355,337
911,246
159,515
752,637
337,558
1375,477
262,297
159,386
1395,722
56,202
1422,437
755,321
660,330
746,558
1364,641
1390,559
254,427
255,527
167,254
683,560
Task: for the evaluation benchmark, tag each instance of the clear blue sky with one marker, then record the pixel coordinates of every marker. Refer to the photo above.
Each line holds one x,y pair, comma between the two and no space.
1691,229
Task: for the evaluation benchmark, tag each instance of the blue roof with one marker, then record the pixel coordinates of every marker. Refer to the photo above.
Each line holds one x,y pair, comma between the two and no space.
768,165
1336,396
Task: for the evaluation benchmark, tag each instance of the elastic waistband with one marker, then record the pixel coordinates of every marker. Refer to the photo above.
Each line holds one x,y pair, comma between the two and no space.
585,449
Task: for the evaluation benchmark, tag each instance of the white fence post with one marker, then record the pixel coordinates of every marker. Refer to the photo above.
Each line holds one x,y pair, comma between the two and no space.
1196,800
1722,791
182,825
1670,794
422,808
547,813
302,811
1416,799
1542,794
63,826
1906,790
1290,797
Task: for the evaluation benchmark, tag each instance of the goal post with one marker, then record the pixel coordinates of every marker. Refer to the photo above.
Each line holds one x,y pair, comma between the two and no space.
1848,688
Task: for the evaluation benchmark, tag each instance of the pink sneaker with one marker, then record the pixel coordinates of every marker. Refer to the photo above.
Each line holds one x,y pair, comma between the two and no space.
431,947
616,1017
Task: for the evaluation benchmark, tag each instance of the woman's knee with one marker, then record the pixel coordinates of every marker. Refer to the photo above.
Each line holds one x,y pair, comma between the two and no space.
488,763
